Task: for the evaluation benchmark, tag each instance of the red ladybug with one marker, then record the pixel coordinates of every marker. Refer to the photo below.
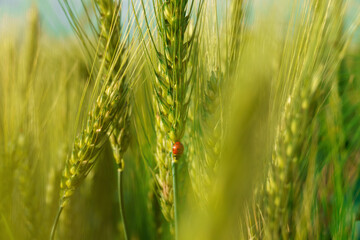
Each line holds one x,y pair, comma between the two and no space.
177,149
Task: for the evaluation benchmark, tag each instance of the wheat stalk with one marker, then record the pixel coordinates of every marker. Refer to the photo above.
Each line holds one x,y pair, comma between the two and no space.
89,143
206,114
171,88
171,93
314,73
204,145
108,108
237,23
119,133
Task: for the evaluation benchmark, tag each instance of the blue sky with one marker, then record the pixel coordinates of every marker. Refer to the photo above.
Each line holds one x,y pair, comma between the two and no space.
50,10
53,19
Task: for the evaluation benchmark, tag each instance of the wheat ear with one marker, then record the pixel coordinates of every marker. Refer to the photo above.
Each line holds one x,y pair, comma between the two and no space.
313,78
105,111
171,93
119,130
171,97
89,143
207,107
237,20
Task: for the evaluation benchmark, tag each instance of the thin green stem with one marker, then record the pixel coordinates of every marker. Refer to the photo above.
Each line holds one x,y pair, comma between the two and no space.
52,235
121,202
176,220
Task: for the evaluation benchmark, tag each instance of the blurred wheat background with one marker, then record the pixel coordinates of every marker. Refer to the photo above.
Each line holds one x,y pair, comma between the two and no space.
179,119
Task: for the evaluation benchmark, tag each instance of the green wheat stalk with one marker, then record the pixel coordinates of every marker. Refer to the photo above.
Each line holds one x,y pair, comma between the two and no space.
313,73
171,92
119,130
111,106
206,112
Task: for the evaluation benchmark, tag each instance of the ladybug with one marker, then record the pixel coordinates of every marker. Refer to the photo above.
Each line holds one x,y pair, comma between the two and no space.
177,149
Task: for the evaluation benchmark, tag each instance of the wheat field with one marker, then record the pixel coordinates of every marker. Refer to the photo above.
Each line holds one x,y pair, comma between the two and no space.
180,119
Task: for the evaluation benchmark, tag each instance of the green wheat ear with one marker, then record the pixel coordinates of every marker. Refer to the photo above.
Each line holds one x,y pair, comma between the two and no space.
172,87
171,90
204,145
89,144
109,114
110,42
317,64
112,98
205,115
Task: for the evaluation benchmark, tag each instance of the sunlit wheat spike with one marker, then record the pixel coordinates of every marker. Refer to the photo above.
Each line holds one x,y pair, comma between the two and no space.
213,72
89,144
113,47
204,126
119,137
110,105
110,111
313,76
171,87
237,23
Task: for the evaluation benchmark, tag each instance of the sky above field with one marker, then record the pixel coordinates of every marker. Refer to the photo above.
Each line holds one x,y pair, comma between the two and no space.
54,20
51,13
